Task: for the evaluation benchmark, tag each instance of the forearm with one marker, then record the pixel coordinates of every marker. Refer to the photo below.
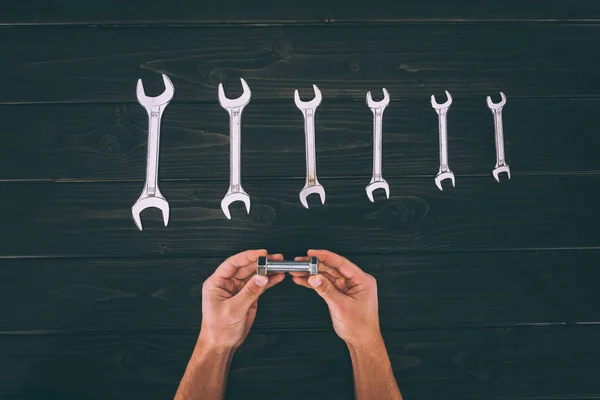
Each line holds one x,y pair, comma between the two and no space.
205,377
373,374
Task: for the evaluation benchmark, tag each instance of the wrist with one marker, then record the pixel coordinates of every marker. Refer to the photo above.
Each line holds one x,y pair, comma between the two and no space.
369,342
208,345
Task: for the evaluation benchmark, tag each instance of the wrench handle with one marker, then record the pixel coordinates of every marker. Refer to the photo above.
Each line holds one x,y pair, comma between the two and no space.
499,134
154,118
443,139
311,157
377,142
235,148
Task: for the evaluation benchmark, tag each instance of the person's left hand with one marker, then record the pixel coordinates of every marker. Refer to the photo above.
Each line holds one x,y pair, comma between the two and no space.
230,298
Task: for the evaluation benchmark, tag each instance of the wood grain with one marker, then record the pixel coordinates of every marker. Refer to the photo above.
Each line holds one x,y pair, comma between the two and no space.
415,291
293,11
479,214
524,363
99,142
411,60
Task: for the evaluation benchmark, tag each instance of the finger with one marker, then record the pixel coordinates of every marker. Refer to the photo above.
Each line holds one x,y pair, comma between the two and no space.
337,262
302,258
249,293
245,273
326,290
233,264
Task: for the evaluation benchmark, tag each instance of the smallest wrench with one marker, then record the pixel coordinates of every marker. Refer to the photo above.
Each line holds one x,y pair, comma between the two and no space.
496,109
444,171
377,181
151,195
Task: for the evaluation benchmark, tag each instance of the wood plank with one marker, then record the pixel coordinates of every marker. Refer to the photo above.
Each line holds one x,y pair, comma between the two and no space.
329,11
415,291
85,142
411,60
526,363
78,219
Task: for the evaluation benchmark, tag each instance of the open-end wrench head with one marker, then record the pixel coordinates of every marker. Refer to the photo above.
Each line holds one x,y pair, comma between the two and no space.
308,190
437,106
443,176
232,198
157,101
307,105
235,103
373,186
497,171
496,106
150,202
378,104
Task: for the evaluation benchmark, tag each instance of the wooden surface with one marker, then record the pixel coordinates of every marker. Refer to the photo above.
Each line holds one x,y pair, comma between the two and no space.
486,290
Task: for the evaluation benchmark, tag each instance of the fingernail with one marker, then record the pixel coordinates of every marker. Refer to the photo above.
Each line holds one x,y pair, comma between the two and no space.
315,281
261,280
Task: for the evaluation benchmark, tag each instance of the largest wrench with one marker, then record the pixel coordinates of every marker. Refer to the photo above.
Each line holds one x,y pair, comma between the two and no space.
444,171
308,109
151,196
377,181
235,107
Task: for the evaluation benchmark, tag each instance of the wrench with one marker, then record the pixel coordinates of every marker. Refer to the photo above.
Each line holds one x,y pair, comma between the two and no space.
308,108
264,266
151,195
496,109
444,171
235,107
377,181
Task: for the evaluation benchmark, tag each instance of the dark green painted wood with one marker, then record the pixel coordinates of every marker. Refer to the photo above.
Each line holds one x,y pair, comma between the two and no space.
479,214
525,363
293,11
415,291
411,60
109,141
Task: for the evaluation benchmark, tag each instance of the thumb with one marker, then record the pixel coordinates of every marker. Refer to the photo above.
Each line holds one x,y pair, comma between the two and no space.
250,292
325,289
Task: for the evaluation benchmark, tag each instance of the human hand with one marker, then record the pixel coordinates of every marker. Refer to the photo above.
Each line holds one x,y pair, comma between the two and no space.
350,294
230,299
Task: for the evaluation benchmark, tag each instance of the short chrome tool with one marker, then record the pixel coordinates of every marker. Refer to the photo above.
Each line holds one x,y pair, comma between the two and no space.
377,181
235,107
308,109
496,109
444,171
151,195
266,266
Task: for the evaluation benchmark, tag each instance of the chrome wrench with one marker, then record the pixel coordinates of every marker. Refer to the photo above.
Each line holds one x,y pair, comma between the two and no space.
151,195
444,171
377,181
235,107
308,108
496,109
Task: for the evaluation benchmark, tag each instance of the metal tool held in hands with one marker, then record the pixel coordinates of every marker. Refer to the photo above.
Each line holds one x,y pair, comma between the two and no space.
377,181
235,107
308,108
442,111
496,109
266,266
151,195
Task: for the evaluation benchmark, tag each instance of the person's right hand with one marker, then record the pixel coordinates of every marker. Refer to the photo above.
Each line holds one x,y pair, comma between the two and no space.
350,294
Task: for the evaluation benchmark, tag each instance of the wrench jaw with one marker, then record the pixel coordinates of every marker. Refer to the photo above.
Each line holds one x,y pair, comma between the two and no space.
240,102
305,105
378,104
374,185
162,100
439,107
443,176
498,170
312,189
232,197
496,106
143,203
